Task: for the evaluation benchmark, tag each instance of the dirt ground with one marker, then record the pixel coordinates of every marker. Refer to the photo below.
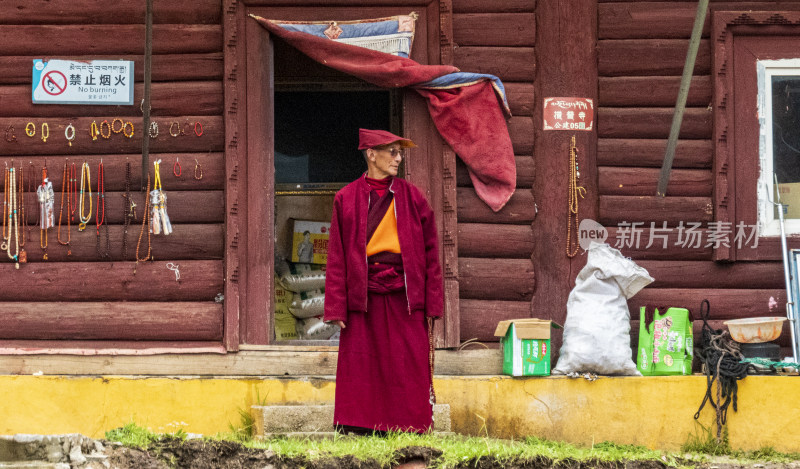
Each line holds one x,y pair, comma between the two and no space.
201,454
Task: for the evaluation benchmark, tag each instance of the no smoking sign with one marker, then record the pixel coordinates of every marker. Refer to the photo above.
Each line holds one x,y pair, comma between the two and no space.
82,82
54,83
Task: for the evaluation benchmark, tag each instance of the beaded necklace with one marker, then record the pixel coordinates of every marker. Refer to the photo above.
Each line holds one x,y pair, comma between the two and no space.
23,256
145,221
73,191
572,204
100,216
86,180
13,219
65,183
4,246
127,210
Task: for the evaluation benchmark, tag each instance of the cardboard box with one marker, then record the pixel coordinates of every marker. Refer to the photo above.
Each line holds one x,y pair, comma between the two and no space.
526,346
790,197
310,241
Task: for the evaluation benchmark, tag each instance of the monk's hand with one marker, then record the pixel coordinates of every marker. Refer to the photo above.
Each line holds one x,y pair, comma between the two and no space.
340,324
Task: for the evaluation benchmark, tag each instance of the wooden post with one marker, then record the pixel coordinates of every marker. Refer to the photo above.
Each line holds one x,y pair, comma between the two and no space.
148,55
566,57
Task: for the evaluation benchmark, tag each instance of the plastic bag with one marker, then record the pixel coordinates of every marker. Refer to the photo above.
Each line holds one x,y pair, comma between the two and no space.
597,330
300,277
308,304
316,329
666,344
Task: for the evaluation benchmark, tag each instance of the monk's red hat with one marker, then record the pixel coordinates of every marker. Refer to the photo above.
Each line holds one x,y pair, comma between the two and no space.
374,138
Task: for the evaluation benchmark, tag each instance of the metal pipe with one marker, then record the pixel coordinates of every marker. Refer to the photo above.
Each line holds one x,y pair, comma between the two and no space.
790,310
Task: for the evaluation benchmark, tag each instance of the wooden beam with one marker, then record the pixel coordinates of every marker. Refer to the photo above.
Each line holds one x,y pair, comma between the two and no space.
482,6
638,92
202,98
520,98
627,57
652,123
649,152
281,361
520,129
525,168
508,63
16,70
496,279
508,241
113,281
199,321
479,318
698,274
494,29
519,209
673,210
93,12
128,39
725,303
643,181
677,247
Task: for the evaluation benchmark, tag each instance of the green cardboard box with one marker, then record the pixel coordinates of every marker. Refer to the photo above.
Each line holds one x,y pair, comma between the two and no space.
526,346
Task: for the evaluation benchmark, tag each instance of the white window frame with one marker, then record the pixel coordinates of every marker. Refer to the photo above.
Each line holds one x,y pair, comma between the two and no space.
768,224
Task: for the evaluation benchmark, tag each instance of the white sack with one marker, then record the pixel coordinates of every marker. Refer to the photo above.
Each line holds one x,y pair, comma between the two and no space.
597,330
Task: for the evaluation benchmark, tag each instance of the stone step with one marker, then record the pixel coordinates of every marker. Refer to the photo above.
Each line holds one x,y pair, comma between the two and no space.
307,419
32,465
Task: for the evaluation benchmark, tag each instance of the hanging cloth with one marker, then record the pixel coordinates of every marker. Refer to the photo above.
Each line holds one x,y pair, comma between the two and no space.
468,109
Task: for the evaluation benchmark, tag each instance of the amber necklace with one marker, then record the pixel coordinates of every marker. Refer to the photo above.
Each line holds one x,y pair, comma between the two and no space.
100,216
4,246
13,219
86,181
145,226
23,256
65,184
574,192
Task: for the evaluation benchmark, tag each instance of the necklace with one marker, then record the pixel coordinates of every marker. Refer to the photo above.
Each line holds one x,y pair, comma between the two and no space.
72,189
13,219
86,180
158,201
4,246
31,178
100,216
145,221
572,204
23,256
65,183
127,210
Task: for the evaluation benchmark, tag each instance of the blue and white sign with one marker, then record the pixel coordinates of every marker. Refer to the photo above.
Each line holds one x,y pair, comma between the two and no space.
88,82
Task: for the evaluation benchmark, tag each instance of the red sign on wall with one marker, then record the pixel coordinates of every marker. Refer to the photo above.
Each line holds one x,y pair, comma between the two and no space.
568,114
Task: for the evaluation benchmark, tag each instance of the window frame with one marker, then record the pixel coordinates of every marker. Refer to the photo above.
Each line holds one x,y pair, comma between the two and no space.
249,87
738,39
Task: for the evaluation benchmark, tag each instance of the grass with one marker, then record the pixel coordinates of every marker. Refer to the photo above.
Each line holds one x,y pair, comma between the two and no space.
458,450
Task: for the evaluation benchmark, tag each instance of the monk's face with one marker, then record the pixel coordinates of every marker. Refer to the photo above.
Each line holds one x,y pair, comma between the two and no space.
385,161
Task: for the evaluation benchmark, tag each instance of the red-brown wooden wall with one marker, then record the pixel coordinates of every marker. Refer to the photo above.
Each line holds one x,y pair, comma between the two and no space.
80,297
641,51
496,273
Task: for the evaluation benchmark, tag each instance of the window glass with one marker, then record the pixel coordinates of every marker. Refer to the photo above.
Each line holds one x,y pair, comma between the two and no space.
786,141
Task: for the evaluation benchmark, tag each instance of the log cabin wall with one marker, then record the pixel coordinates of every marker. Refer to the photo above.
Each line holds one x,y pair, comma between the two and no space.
495,270
641,52
81,298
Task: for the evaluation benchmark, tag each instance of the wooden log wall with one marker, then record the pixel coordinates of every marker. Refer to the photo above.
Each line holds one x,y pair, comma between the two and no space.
496,273
77,295
636,100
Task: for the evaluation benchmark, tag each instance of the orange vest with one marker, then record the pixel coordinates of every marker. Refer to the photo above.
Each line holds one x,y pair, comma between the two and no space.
385,237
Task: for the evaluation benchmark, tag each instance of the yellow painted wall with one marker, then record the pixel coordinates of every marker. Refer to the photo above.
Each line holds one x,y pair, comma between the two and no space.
656,411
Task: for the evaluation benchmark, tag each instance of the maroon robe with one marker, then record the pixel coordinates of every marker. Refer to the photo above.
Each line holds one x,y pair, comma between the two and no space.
383,379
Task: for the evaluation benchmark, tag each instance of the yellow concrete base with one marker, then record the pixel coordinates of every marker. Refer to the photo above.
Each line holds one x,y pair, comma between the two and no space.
656,411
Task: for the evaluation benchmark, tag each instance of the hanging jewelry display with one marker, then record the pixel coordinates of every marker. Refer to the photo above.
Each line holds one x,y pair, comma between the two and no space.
195,128
73,191
125,129
13,218
575,191
46,216
128,210
114,125
45,132
100,215
108,126
94,131
30,129
13,137
183,129
69,133
198,170
86,182
23,256
145,221
65,194
153,132
176,168
176,132
31,184
6,208
158,205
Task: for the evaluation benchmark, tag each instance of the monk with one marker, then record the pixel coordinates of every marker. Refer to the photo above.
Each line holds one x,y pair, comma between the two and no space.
383,288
